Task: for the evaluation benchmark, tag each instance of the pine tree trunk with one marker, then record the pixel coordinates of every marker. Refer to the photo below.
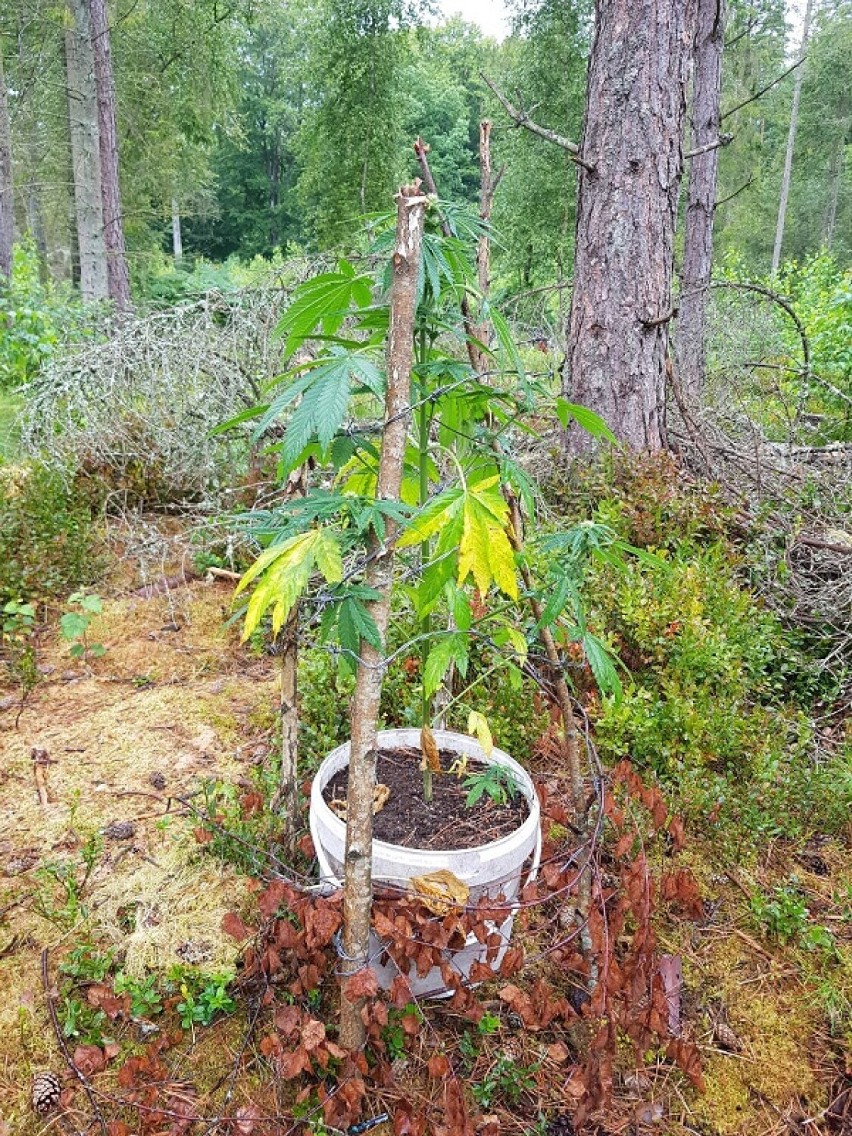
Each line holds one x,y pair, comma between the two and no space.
701,199
118,274
626,211
358,882
791,142
177,236
7,214
85,153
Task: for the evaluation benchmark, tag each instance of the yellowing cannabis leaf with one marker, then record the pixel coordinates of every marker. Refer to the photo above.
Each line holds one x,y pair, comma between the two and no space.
484,549
283,573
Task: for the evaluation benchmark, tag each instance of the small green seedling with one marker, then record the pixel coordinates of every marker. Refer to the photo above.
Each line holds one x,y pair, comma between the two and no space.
495,780
74,625
17,626
203,997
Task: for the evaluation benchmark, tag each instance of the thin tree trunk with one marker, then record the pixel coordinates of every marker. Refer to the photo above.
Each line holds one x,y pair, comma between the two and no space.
85,153
35,224
118,274
701,199
7,213
626,212
834,178
177,237
358,884
286,801
791,142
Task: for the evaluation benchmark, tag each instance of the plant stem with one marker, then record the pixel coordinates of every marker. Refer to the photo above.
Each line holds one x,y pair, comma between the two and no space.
423,421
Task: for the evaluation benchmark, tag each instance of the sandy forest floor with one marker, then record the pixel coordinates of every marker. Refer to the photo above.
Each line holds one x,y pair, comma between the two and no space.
176,699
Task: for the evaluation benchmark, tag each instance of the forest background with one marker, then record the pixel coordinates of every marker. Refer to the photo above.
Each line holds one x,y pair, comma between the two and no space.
268,129
243,147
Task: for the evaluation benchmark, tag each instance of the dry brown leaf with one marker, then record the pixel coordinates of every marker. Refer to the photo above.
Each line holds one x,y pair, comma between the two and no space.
245,1119
364,984
90,1059
557,1052
430,750
440,891
291,1065
313,1034
232,925
438,1066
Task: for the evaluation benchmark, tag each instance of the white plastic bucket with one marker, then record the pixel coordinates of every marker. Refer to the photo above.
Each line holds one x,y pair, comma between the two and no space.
493,869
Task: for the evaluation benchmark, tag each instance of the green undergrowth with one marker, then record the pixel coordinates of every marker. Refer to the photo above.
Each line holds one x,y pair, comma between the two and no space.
721,701
48,538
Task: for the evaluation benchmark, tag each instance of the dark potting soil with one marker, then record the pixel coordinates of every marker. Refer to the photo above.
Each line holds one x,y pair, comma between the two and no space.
446,822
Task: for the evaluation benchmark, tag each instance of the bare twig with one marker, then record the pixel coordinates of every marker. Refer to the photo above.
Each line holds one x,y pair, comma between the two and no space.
782,302
736,193
722,140
521,118
69,1061
763,90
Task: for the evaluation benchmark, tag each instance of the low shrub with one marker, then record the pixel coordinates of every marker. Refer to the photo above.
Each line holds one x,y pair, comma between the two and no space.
35,317
48,538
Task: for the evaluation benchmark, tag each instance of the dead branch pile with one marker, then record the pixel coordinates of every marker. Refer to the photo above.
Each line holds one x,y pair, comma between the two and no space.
757,434
136,409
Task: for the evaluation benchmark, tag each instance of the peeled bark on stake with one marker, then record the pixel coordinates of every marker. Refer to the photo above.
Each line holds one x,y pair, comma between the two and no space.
358,881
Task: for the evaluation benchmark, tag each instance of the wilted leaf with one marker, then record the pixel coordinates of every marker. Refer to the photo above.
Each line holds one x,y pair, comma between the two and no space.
558,1052
400,991
364,984
321,922
232,925
430,750
245,1119
438,1066
90,1059
292,1065
408,1121
273,898
649,1113
478,726
676,832
455,1110
313,1034
288,1019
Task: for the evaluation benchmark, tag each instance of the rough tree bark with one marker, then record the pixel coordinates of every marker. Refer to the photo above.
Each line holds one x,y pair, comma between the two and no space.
118,274
85,152
7,215
626,211
358,883
700,199
791,142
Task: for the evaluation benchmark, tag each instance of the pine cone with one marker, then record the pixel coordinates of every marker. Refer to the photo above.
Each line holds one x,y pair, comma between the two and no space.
46,1092
726,1037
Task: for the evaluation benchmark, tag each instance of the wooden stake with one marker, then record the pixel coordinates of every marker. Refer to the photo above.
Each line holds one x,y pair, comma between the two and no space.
358,878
